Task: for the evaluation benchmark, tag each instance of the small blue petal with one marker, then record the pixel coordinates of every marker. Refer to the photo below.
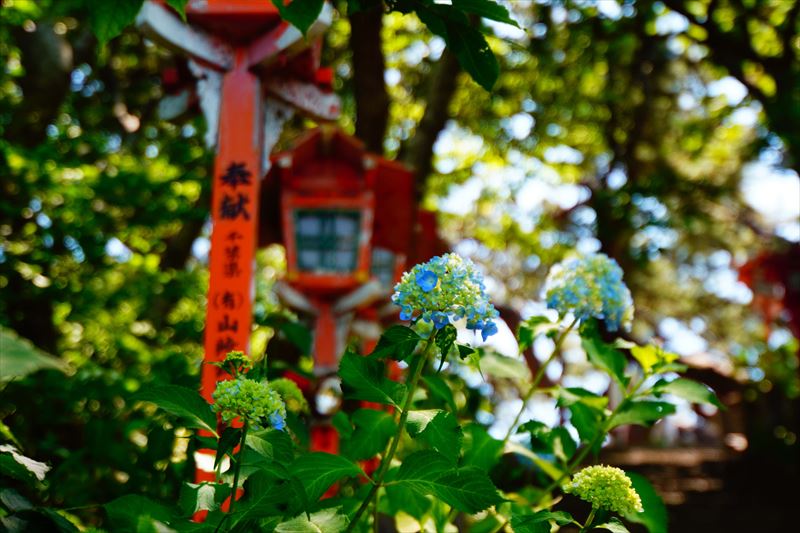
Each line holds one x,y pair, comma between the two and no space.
427,280
489,329
277,421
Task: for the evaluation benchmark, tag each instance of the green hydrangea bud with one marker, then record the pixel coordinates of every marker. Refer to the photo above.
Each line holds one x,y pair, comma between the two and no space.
253,401
606,487
291,394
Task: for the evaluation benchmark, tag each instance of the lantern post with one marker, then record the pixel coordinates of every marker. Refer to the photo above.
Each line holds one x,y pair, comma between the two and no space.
253,71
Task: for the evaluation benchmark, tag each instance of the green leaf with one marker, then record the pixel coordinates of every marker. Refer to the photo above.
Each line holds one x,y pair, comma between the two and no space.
272,445
179,6
16,465
400,498
588,421
570,395
652,357
602,355
128,512
268,493
183,402
317,471
480,449
486,9
530,328
539,522
397,342
439,388
465,351
642,413
108,19
439,429
501,366
295,332
227,442
342,425
373,430
613,525
654,516
445,338
467,489
364,378
202,497
299,13
692,391
473,53
549,468
324,521
20,357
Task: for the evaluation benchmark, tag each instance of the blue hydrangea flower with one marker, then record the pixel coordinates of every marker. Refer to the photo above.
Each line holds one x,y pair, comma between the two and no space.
590,286
255,402
445,289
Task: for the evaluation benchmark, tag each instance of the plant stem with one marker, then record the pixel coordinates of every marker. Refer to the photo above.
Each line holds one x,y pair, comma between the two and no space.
587,526
537,379
411,385
600,435
238,469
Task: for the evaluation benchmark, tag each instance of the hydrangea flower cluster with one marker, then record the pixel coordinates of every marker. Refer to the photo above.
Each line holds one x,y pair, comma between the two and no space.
445,289
590,286
291,394
255,402
606,487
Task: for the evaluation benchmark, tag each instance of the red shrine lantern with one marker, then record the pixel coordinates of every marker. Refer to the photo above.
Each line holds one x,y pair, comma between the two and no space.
327,212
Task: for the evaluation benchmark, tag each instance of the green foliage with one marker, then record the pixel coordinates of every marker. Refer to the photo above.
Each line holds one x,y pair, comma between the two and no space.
467,489
318,471
21,358
439,429
372,432
689,390
654,517
364,378
182,402
397,342
300,14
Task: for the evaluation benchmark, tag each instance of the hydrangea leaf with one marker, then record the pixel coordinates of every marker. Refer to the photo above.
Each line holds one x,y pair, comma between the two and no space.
126,513
445,338
613,525
325,521
397,342
108,19
202,497
540,522
318,471
272,445
438,387
227,442
182,402
603,355
692,391
588,421
480,449
467,489
486,9
21,357
654,517
546,466
300,14
364,378
439,429
267,494
641,412
373,429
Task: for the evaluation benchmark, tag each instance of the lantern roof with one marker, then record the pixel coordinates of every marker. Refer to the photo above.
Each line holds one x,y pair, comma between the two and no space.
235,20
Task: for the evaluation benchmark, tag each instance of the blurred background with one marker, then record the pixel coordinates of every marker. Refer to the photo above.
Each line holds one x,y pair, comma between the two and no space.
662,133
